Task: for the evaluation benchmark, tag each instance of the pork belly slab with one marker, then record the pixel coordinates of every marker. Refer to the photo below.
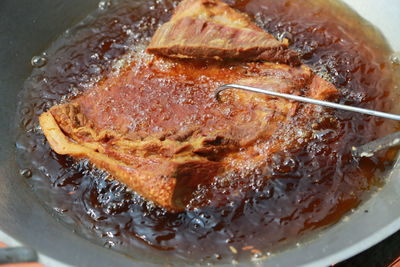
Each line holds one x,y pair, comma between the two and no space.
156,126
212,29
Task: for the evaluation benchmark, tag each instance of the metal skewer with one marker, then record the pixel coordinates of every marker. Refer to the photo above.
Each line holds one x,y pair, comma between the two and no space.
369,149
308,100
366,150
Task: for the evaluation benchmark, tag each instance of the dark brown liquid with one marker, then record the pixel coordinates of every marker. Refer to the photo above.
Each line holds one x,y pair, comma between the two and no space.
309,188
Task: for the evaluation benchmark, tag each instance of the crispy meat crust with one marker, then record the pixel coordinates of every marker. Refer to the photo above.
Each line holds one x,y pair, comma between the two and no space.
212,29
165,149
155,124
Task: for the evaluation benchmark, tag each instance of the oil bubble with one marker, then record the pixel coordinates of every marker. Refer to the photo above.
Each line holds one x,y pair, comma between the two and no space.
395,58
217,256
38,61
109,244
27,173
104,4
196,224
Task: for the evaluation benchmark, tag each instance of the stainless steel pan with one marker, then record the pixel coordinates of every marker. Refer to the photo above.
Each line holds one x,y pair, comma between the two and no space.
26,28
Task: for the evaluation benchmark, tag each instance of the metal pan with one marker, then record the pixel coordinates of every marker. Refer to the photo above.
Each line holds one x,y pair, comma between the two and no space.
26,29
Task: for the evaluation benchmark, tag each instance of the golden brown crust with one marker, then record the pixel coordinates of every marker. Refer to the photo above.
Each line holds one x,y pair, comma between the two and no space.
156,179
212,29
167,166
156,126
214,11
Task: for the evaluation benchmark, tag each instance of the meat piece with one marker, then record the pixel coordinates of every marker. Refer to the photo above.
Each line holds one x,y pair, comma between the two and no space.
212,29
156,126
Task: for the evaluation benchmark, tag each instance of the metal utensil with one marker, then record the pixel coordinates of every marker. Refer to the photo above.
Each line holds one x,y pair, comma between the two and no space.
370,148
308,100
366,150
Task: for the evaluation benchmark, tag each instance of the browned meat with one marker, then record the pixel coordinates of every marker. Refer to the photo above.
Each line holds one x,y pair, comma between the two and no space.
155,124
212,29
157,127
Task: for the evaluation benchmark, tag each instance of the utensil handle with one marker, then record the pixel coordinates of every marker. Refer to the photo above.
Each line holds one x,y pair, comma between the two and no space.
370,148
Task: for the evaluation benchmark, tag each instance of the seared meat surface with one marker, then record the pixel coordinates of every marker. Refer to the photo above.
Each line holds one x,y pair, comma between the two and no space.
156,126
212,29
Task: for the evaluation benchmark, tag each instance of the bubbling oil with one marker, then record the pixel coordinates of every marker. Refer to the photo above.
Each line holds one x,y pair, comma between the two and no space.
306,189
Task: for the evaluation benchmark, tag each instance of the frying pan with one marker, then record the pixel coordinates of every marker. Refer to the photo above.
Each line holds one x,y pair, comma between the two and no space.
26,28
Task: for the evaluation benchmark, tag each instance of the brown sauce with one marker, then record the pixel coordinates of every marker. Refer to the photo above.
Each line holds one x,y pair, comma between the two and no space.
308,189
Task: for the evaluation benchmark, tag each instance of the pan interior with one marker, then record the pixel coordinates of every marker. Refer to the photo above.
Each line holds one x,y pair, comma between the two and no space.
39,175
